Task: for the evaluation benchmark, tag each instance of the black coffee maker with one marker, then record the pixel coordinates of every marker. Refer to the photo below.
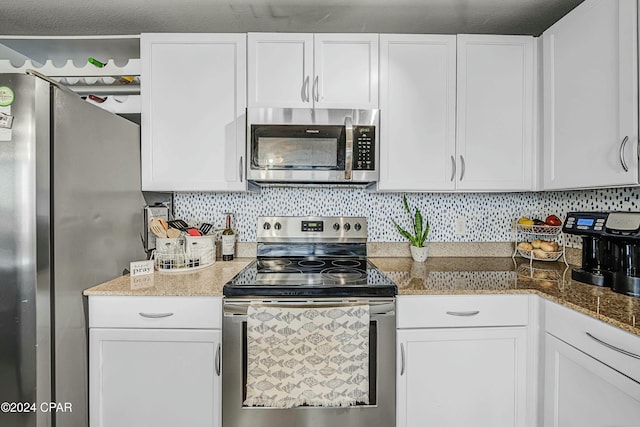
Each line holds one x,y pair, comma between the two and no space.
610,249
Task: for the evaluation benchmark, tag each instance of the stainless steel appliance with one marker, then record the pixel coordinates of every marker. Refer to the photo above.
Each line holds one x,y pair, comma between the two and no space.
70,206
610,249
312,146
310,262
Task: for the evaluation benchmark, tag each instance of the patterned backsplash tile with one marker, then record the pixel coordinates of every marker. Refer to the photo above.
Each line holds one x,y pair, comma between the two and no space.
488,216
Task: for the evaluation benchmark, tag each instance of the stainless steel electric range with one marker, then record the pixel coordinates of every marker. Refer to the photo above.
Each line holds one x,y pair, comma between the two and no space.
307,262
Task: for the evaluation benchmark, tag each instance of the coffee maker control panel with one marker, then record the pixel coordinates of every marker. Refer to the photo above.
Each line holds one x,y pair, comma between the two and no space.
585,222
618,224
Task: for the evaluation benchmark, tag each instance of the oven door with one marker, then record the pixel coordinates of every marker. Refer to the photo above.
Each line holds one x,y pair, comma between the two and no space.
380,412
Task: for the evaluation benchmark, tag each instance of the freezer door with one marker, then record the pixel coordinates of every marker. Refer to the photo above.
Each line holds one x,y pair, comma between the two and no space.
96,217
25,360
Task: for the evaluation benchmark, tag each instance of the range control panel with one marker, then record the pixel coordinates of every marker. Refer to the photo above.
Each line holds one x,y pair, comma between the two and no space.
606,224
291,228
364,141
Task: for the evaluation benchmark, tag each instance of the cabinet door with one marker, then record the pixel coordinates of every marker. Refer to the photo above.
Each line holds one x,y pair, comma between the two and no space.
495,146
591,96
280,70
154,378
193,111
582,392
418,98
346,71
462,377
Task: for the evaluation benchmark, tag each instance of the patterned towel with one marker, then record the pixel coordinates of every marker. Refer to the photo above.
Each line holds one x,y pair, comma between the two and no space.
307,356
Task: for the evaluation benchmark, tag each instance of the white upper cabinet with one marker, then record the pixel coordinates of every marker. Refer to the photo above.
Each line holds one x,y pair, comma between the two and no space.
313,70
591,97
193,112
418,105
280,70
486,83
495,146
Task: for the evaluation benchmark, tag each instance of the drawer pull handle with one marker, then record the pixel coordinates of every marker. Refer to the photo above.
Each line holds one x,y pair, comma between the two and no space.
613,347
463,313
401,359
218,360
155,315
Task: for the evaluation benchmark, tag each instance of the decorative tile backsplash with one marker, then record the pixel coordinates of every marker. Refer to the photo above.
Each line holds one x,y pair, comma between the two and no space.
488,216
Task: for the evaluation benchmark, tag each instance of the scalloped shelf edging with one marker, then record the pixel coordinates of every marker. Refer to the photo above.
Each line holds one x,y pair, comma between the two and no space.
69,69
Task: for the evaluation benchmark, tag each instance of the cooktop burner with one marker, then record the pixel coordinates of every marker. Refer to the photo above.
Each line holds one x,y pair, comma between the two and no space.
311,256
316,277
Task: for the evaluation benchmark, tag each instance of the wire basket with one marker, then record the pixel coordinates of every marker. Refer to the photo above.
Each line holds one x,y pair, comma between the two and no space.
539,254
184,254
550,230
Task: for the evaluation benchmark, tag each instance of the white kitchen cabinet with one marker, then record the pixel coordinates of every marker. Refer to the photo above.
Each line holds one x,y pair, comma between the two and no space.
313,70
591,371
418,105
462,361
581,391
154,361
495,137
590,84
193,94
457,113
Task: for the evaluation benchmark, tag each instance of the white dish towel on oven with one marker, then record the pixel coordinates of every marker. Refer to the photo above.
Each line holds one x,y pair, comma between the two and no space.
307,356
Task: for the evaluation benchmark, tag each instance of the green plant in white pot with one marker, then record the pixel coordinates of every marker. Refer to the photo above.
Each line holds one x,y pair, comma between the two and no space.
419,235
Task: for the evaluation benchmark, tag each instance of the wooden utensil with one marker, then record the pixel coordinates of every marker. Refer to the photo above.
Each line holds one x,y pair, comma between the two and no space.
173,233
157,228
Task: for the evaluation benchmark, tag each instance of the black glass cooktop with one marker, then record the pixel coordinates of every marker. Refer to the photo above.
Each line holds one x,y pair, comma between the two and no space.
321,277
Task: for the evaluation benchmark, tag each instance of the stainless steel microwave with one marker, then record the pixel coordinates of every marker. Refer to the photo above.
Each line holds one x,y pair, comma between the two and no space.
315,146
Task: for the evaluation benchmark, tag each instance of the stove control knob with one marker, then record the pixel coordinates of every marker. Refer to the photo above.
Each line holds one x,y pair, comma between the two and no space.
336,226
358,227
347,226
277,226
266,226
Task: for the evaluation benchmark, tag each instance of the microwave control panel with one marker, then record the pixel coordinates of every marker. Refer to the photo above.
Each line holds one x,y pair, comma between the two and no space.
364,141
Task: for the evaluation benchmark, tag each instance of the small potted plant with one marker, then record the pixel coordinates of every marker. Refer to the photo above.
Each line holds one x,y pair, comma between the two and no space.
420,233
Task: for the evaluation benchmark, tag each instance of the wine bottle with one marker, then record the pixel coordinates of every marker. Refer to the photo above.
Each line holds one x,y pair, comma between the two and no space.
228,240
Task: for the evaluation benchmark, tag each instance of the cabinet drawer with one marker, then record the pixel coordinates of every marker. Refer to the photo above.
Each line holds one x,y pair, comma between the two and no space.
435,311
608,344
155,312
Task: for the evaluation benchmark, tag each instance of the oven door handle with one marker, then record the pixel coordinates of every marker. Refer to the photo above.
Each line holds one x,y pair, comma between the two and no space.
348,157
375,309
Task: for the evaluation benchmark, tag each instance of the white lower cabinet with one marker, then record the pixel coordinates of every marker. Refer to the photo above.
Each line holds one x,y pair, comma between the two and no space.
463,371
153,371
591,372
580,391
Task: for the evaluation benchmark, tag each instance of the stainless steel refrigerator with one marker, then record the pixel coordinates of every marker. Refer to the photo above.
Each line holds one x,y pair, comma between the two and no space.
70,215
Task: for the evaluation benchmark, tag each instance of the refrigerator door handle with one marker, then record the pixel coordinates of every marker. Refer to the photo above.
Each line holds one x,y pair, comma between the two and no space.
49,80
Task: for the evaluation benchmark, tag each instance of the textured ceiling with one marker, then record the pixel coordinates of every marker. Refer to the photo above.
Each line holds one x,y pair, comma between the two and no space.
103,17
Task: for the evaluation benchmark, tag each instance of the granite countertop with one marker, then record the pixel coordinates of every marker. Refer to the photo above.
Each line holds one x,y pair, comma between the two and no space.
551,280
437,276
207,281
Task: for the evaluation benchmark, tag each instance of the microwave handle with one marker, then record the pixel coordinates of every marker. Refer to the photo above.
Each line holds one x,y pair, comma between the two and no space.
348,158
